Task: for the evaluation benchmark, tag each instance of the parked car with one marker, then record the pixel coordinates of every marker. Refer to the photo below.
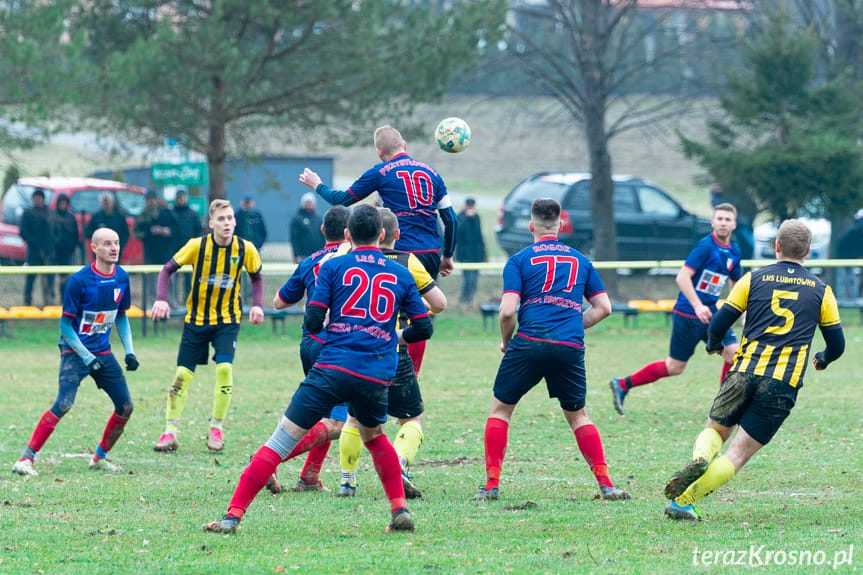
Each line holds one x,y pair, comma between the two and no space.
83,196
650,224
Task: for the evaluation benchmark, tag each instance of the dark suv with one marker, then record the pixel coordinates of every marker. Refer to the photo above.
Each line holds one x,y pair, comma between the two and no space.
650,224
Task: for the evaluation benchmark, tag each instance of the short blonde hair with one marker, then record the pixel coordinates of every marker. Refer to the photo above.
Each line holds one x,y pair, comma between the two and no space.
217,205
725,207
388,140
794,239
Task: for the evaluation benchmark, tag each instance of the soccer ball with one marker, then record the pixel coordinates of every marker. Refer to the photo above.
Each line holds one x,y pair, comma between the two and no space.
452,135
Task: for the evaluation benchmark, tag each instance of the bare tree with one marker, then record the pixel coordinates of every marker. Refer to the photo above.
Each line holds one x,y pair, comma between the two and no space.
614,66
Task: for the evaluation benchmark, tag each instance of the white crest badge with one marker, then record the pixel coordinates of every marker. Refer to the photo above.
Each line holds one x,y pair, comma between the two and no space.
118,293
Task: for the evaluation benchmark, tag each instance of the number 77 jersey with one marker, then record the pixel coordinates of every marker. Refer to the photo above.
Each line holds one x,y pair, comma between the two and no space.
551,279
364,291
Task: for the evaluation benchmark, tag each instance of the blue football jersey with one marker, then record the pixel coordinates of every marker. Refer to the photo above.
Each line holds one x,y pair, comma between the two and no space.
364,291
302,281
414,192
713,264
551,279
93,300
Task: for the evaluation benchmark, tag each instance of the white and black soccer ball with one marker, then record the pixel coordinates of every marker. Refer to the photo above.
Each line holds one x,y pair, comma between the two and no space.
452,135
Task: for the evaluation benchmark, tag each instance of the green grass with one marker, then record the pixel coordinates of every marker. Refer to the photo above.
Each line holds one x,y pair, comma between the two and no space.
801,493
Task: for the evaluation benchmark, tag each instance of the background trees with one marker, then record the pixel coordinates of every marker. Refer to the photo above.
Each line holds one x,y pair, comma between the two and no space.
212,74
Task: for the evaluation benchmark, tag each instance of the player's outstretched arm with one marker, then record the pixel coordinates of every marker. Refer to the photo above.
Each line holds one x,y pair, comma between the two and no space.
435,300
161,309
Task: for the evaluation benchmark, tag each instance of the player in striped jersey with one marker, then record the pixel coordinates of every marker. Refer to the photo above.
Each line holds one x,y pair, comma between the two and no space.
96,299
213,314
784,303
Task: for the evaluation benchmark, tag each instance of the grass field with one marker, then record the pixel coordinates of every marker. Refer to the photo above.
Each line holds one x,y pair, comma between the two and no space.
801,494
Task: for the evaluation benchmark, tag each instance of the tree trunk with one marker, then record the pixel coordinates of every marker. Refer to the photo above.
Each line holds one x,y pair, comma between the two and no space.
216,147
601,196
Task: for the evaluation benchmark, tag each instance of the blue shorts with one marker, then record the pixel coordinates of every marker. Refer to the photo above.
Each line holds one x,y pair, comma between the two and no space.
195,344
760,404
111,380
325,388
310,349
527,361
686,332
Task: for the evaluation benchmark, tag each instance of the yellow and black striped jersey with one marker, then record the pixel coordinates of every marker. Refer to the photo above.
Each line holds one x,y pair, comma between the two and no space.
424,280
215,295
784,303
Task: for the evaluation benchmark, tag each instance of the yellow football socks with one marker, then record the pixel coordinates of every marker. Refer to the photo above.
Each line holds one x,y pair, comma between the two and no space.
707,444
408,440
222,391
350,447
720,472
177,398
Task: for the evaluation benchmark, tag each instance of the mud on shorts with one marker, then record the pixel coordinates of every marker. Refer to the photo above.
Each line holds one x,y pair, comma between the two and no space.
758,403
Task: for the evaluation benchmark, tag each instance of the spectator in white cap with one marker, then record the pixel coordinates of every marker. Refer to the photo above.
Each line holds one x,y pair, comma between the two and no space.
306,234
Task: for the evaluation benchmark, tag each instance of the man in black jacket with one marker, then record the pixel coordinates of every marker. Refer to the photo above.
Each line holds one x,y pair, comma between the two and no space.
66,238
187,225
109,216
36,231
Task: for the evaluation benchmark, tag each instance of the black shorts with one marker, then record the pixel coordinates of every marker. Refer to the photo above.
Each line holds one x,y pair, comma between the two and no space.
757,402
528,361
310,349
686,332
430,261
404,399
196,340
324,388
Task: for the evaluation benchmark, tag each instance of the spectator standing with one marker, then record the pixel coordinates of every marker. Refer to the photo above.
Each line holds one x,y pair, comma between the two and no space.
250,226
470,247
155,227
306,236
187,225
109,216
36,231
250,223
66,238
850,246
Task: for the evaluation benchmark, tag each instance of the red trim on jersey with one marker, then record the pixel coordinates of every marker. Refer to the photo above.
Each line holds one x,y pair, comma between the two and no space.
355,374
596,294
426,251
66,313
550,340
316,303
715,239
426,314
94,353
100,274
546,238
511,291
680,313
316,338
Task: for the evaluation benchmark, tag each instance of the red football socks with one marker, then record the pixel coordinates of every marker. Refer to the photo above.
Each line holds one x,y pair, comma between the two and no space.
113,430
417,350
496,437
314,461
253,479
43,430
389,470
317,435
590,445
726,366
647,374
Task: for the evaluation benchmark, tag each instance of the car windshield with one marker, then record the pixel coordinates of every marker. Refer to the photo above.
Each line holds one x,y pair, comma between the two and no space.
538,188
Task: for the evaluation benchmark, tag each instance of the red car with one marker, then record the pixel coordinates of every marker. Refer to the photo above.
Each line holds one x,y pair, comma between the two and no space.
84,197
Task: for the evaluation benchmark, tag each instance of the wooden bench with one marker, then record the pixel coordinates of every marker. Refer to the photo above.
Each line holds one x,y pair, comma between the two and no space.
488,311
